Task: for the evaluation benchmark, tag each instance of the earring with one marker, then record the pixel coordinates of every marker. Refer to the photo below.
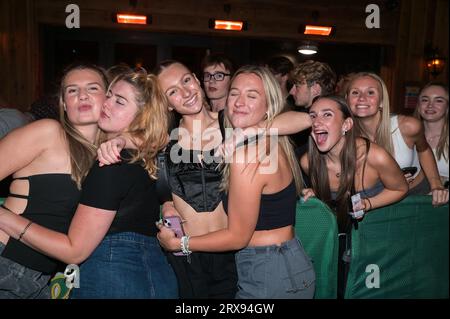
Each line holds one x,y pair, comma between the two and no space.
64,106
344,132
266,116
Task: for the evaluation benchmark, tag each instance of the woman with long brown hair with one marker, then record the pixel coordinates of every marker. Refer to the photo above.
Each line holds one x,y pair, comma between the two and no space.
432,110
48,160
340,164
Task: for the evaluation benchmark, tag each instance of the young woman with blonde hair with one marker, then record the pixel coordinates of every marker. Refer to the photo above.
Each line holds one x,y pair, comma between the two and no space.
400,135
260,201
113,232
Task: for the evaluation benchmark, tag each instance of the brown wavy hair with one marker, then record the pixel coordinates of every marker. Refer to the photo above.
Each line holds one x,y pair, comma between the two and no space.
315,72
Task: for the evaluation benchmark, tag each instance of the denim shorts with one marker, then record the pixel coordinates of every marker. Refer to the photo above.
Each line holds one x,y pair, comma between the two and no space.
127,266
275,272
20,282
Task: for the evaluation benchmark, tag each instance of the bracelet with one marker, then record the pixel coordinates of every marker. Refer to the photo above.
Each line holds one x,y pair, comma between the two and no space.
370,205
185,245
24,231
438,189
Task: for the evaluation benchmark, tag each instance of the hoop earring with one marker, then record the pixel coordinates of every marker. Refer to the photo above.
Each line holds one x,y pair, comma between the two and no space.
65,107
266,116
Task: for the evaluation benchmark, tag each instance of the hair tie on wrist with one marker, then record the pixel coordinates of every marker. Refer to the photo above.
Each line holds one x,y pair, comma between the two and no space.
24,231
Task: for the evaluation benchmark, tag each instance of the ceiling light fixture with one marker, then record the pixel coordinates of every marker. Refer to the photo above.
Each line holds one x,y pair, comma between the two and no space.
308,48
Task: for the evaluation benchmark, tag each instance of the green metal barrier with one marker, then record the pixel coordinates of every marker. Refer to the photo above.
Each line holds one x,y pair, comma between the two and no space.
317,229
406,244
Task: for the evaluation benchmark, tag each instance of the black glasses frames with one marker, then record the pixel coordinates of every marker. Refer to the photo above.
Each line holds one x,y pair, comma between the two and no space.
218,76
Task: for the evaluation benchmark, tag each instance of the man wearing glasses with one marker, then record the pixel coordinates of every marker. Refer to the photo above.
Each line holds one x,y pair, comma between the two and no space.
217,73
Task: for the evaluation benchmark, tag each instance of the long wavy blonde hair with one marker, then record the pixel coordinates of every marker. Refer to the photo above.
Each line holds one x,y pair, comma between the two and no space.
275,106
383,135
148,130
82,151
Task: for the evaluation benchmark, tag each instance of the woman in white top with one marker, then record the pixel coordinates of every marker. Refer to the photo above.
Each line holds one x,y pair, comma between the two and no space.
400,135
432,109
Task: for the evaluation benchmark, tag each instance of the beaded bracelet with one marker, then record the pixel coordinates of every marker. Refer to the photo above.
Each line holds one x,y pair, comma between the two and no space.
24,231
185,245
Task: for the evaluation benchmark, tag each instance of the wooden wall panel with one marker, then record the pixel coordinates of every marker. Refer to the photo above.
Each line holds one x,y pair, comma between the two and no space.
19,39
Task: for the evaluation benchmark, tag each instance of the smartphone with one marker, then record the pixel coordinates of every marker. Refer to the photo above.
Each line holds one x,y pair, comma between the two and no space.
174,223
357,204
410,169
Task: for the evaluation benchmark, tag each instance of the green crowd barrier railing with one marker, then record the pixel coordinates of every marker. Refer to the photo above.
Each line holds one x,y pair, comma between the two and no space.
401,251
317,229
398,251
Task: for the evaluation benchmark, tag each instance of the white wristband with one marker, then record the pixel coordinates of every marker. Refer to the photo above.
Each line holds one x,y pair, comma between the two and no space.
185,245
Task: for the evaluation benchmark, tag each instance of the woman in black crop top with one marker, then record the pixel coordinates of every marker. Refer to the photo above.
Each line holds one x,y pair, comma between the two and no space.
341,163
48,160
261,200
195,180
113,231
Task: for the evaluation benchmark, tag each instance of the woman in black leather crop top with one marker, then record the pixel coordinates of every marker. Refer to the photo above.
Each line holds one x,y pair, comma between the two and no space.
48,160
261,200
195,179
340,162
113,230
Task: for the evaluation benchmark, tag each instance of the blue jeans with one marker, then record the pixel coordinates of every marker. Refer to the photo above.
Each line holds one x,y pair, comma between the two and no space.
20,282
127,265
275,272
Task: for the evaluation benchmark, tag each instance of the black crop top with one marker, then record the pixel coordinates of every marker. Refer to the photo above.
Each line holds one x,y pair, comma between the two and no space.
276,210
127,189
194,175
52,201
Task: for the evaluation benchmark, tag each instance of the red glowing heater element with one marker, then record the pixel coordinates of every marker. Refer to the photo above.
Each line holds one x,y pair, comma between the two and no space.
131,19
227,25
317,30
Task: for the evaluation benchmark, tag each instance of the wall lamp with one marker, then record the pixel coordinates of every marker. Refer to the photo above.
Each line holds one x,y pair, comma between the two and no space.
435,63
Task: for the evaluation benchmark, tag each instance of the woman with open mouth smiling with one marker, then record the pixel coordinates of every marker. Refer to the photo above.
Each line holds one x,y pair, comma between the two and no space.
341,164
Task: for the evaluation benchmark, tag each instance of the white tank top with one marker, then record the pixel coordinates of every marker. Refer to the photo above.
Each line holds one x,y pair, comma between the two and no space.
403,154
442,164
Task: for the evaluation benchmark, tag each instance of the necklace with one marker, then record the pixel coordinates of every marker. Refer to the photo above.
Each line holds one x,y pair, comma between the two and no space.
431,138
